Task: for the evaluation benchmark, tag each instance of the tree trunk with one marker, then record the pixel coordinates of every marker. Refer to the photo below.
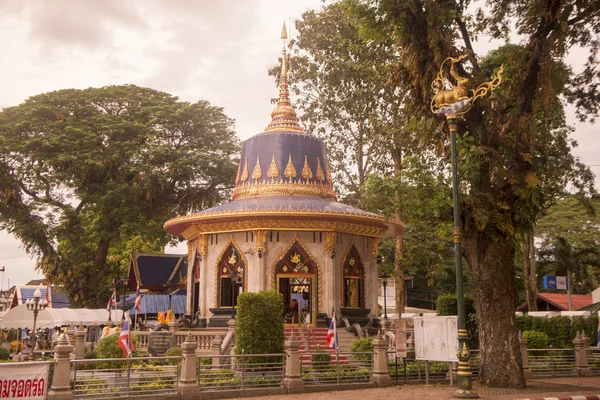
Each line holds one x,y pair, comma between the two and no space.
398,265
530,270
490,256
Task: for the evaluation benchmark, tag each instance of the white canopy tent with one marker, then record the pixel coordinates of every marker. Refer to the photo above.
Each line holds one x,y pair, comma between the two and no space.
20,317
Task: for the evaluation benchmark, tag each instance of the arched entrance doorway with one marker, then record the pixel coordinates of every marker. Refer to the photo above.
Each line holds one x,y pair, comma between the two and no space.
296,279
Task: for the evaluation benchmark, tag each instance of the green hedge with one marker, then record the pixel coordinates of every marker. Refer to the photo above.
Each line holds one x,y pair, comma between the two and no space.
259,325
446,304
560,330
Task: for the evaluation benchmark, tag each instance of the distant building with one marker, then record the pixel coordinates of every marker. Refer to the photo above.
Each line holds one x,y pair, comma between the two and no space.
558,302
18,295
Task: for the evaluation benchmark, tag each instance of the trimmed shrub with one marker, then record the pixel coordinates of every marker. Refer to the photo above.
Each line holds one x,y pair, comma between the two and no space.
363,345
560,330
536,340
320,360
109,346
4,353
259,327
174,352
446,305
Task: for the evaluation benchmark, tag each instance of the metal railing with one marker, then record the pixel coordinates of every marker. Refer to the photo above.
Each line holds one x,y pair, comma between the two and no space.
404,370
117,377
231,372
551,362
593,355
325,368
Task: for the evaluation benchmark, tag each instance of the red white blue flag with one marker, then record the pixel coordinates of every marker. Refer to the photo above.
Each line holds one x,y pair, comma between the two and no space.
125,341
332,338
138,300
112,302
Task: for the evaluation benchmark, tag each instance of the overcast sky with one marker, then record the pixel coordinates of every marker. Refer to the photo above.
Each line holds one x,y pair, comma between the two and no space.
218,51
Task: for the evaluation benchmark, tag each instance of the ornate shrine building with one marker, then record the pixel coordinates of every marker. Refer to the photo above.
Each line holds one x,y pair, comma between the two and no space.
284,231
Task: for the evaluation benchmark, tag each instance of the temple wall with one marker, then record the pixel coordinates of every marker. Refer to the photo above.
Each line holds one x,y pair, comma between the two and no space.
260,270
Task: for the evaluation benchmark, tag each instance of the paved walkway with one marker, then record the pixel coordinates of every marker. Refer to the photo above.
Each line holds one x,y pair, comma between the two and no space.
536,389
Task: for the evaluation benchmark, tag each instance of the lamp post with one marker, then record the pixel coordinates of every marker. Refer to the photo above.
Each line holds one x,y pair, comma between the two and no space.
384,277
453,103
36,306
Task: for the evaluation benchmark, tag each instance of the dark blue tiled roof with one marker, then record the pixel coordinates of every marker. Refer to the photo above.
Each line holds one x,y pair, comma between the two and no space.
59,299
280,146
287,203
27,293
158,271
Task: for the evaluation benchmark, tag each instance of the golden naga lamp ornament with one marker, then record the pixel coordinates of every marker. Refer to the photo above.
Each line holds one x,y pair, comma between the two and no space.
453,101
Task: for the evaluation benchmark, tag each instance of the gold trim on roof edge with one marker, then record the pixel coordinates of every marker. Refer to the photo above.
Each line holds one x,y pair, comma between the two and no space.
282,188
284,224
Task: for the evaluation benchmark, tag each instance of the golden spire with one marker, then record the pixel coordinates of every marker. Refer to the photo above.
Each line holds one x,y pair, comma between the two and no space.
283,117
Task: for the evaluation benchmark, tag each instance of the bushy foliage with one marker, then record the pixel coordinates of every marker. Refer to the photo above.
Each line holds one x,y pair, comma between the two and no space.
4,353
446,305
259,327
320,359
109,347
560,330
174,351
364,345
536,339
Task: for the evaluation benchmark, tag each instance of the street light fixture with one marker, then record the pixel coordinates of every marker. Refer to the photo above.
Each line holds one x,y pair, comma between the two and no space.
36,306
384,277
453,103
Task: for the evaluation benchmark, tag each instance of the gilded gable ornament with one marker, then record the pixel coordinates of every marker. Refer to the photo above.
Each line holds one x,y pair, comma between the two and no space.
352,261
257,173
231,260
244,176
290,171
273,171
295,258
320,174
306,171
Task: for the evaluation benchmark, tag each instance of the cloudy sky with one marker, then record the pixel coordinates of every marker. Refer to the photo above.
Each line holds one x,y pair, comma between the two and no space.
203,49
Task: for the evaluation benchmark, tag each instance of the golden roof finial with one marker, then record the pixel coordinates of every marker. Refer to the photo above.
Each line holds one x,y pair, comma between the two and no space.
283,117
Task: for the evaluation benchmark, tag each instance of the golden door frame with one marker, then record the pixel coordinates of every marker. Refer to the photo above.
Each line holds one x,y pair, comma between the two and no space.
313,295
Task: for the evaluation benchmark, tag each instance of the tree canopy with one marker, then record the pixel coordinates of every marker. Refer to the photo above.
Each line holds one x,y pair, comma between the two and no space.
88,175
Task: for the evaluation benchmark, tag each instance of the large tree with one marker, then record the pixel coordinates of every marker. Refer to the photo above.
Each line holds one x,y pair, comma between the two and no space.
342,82
515,151
88,174
569,236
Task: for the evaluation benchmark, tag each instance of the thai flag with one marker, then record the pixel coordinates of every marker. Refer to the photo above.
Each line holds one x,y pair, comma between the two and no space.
138,300
125,341
332,338
112,302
